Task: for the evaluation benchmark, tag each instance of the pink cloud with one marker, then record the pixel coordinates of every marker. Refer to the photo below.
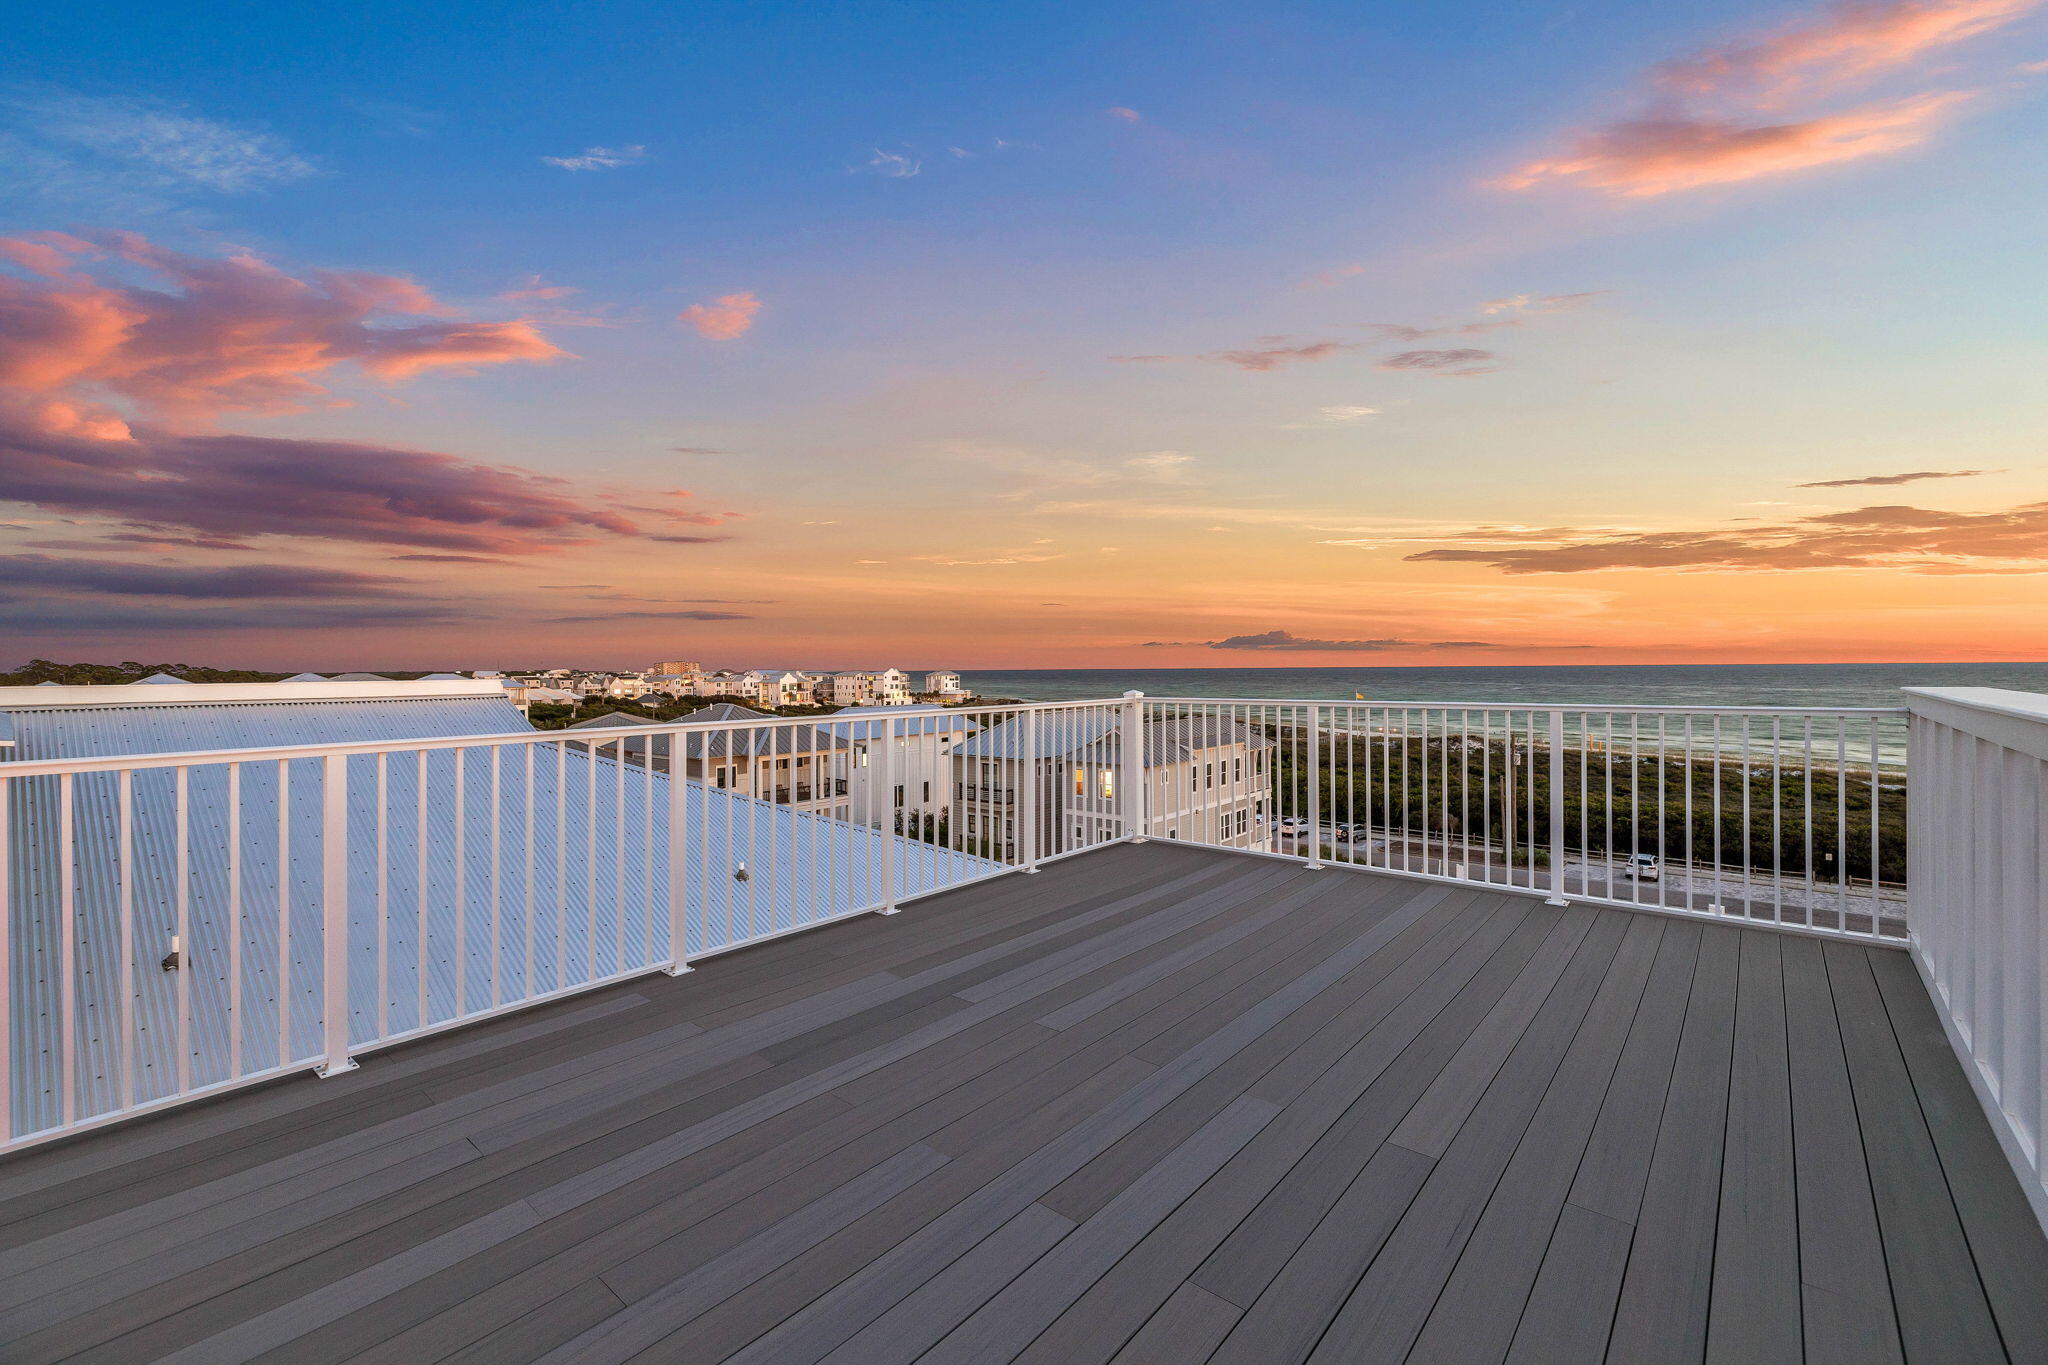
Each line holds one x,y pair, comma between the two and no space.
1117,111
234,334
1848,43
729,316
79,353
1652,156
1721,116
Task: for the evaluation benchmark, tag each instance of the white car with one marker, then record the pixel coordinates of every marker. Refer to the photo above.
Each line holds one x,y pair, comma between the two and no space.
1294,826
1645,867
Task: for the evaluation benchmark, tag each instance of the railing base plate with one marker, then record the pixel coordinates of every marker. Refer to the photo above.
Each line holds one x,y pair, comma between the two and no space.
337,1068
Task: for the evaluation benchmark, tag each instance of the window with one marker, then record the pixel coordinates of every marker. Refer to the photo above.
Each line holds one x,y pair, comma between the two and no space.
1080,780
899,793
927,793
723,775
1108,784
1242,816
1209,775
1240,769
1194,777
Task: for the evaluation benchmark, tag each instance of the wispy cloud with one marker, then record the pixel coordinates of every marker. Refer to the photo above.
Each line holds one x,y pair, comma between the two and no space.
600,158
891,165
1326,279
728,316
195,583
1340,414
1123,114
646,616
537,289
1540,303
1888,480
1850,41
1284,641
1457,363
1270,355
169,144
1659,154
1768,104
1914,539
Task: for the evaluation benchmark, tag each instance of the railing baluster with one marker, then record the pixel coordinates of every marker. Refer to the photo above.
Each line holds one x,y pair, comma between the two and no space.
67,952
8,1130
181,869
678,858
334,937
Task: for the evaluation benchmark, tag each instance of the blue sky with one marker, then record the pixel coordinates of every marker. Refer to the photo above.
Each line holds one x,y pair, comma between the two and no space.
1537,293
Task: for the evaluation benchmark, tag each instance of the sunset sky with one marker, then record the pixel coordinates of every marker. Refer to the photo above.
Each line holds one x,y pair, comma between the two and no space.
1023,335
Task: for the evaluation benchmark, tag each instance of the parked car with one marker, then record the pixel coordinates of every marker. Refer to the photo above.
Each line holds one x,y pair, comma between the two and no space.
1294,826
1646,867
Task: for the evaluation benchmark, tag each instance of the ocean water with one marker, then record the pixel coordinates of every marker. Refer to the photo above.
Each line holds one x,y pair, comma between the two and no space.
1578,684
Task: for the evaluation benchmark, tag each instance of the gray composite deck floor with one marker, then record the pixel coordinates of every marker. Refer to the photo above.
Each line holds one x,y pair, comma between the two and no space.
1152,1104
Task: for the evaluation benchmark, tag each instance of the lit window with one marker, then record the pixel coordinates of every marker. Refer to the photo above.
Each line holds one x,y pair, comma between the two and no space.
1108,783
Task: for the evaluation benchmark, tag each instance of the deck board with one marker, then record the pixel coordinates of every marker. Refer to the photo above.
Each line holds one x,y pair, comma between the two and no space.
1155,1103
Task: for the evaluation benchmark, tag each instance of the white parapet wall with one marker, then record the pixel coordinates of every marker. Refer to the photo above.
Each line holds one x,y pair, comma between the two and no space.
1978,831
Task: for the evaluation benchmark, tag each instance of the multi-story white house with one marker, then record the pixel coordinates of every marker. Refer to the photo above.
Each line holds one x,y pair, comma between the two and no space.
871,687
1208,781
944,685
911,778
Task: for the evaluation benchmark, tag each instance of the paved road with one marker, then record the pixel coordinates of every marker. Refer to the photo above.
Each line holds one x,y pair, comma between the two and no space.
1681,886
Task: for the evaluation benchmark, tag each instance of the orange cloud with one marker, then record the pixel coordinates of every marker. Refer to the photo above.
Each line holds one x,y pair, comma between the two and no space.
1915,539
1643,157
238,334
729,316
1719,116
233,334
1848,43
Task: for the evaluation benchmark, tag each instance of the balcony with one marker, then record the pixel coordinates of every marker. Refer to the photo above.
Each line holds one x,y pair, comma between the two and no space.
1382,1098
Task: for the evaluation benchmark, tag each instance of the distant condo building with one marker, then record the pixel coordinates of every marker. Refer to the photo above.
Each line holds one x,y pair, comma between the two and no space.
1206,779
780,688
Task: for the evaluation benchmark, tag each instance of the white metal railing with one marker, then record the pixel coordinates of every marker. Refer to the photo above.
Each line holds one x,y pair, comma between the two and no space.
1793,817
1980,895
184,923
181,924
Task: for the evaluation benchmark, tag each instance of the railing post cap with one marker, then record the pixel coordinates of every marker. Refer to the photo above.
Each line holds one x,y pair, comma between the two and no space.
1133,696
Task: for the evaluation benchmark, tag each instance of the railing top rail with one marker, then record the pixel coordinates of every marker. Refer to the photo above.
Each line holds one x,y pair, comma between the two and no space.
596,737
1596,708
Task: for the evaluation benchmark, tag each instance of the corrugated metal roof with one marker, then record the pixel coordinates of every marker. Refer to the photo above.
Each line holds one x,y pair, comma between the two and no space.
570,909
